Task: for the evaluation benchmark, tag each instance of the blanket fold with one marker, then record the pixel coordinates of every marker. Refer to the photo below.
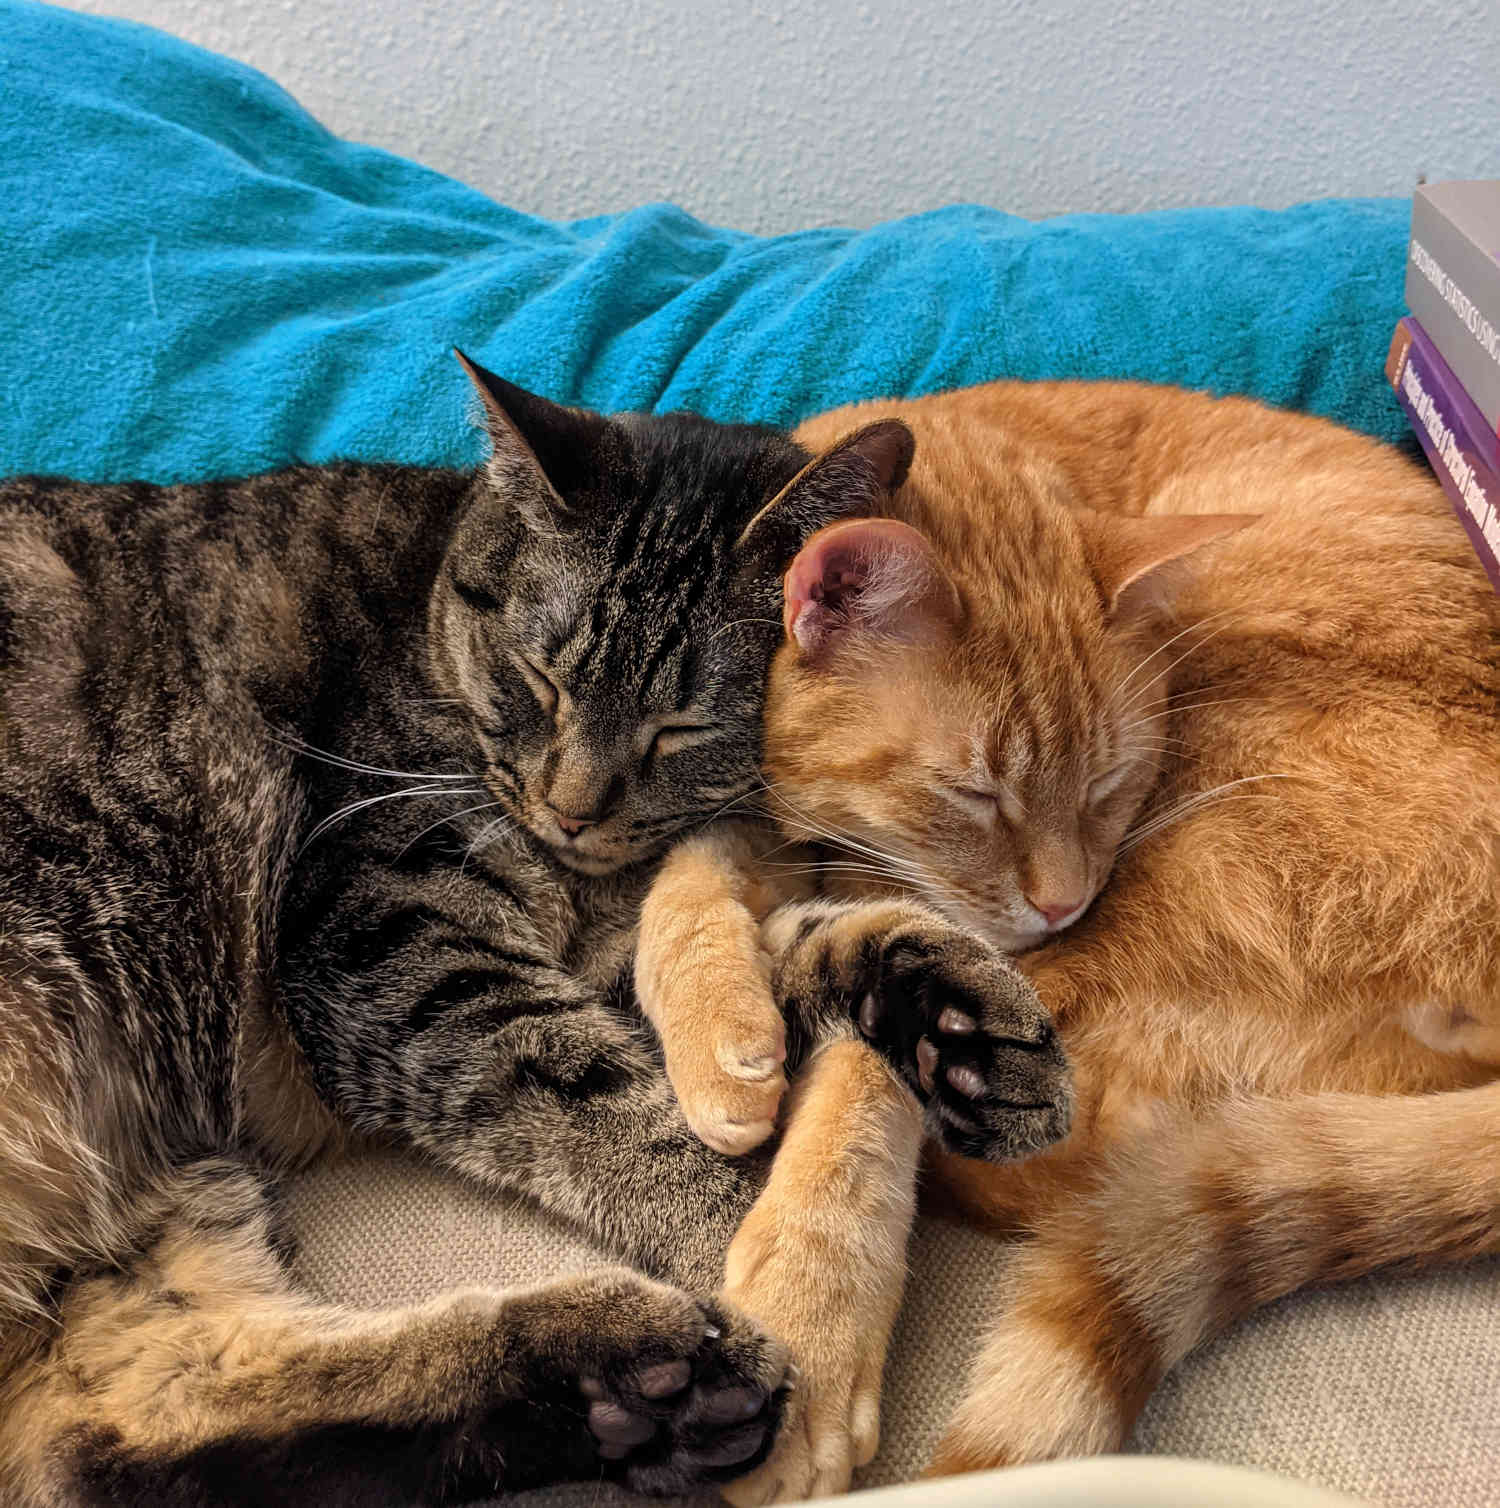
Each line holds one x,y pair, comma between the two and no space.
197,279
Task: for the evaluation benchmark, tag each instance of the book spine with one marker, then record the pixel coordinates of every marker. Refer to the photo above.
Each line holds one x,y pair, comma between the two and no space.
1453,290
1463,451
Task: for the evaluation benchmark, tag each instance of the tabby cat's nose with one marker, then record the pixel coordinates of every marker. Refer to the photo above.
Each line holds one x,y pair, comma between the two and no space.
570,825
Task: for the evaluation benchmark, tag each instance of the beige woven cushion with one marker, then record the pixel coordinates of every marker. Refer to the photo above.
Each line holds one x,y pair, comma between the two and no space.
1387,1389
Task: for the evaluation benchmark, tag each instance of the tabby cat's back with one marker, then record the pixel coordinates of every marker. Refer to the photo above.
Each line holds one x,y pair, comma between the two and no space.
327,794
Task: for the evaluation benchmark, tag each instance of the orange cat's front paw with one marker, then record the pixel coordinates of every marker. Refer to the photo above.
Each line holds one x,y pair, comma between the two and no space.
820,1261
727,1070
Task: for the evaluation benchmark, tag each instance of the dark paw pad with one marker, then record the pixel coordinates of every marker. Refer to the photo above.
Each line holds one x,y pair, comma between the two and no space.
965,1031
670,1427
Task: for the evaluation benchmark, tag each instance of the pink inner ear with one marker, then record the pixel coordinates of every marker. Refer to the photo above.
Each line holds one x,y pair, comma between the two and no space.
819,589
871,573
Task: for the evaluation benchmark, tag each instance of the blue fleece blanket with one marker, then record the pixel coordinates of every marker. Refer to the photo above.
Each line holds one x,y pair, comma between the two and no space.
197,279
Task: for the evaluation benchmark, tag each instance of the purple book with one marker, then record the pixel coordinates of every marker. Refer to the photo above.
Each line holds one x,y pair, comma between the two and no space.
1463,449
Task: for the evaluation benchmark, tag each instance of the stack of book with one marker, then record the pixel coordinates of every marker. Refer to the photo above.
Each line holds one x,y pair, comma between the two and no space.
1445,359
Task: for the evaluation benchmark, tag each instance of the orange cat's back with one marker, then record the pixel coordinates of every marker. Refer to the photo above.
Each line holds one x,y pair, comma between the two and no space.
1345,645
1123,447
1296,940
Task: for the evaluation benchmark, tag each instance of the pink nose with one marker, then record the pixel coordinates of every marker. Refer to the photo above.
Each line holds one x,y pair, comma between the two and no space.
1056,911
572,825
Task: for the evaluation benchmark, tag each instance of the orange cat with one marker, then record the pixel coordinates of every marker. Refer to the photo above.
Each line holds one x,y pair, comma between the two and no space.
1198,704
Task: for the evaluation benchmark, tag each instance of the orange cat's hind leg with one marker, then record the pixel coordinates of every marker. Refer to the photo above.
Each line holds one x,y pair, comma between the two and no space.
1064,1373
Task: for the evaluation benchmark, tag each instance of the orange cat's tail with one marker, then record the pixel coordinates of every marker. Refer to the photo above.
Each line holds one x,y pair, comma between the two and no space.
1200,1222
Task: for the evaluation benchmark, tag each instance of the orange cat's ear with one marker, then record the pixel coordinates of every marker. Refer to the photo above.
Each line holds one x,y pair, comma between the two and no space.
857,475
1136,561
871,578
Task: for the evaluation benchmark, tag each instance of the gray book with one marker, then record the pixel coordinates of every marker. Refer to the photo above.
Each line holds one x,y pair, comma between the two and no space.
1453,282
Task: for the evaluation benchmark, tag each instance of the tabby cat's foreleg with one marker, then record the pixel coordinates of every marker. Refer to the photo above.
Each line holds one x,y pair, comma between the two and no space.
509,1069
192,1375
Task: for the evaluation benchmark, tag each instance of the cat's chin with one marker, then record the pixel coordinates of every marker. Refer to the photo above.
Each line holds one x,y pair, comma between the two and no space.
580,861
998,934
589,864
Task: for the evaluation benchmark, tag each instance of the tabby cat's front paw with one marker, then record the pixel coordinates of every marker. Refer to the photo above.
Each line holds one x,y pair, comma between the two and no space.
674,1394
967,1034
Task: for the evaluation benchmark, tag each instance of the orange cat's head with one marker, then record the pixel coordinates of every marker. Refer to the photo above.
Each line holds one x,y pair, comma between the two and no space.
979,721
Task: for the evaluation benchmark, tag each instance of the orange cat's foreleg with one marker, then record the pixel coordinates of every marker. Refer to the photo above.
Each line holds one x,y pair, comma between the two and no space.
703,980
821,1259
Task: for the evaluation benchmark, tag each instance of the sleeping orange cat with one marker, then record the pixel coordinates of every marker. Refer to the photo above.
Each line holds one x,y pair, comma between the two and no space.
1196,706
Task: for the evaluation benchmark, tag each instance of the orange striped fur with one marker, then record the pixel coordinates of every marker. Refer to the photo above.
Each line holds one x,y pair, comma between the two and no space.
1282,1005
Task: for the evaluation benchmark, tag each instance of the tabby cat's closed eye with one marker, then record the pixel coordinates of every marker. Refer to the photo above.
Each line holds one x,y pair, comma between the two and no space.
676,738
543,687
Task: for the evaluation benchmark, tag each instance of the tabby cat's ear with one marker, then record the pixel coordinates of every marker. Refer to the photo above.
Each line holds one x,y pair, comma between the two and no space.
857,475
869,579
1139,563
539,450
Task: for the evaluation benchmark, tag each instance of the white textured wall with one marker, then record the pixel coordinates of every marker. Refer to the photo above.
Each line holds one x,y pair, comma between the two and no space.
774,115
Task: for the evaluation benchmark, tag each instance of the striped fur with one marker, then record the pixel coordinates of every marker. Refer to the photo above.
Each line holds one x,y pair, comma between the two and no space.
1195,1221
1226,681
282,762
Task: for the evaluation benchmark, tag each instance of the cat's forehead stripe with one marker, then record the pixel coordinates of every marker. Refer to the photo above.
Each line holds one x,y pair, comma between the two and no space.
1052,701
639,632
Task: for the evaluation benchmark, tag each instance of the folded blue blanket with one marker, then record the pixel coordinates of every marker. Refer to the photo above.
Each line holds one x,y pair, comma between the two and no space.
197,279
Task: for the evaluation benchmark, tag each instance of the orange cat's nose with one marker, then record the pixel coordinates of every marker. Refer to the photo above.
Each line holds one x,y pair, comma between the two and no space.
1056,911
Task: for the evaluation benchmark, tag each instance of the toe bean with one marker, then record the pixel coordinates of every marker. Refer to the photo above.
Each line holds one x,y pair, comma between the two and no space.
618,1426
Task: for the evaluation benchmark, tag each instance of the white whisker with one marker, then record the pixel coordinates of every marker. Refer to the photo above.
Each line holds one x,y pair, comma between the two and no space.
1162,648
738,622
358,806
755,790
1178,810
339,762
486,835
834,835
891,868
468,811
1185,705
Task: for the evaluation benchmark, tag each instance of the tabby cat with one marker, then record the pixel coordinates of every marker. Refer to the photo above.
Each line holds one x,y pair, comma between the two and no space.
1198,703
329,798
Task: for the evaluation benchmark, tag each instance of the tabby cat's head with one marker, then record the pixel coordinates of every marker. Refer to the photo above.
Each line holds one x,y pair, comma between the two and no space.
983,730
608,607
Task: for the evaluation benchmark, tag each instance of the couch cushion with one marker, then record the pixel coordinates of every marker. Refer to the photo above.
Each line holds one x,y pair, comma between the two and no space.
1384,1388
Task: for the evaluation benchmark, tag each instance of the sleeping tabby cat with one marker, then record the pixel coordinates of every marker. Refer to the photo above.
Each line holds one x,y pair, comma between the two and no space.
1199,703
329,797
